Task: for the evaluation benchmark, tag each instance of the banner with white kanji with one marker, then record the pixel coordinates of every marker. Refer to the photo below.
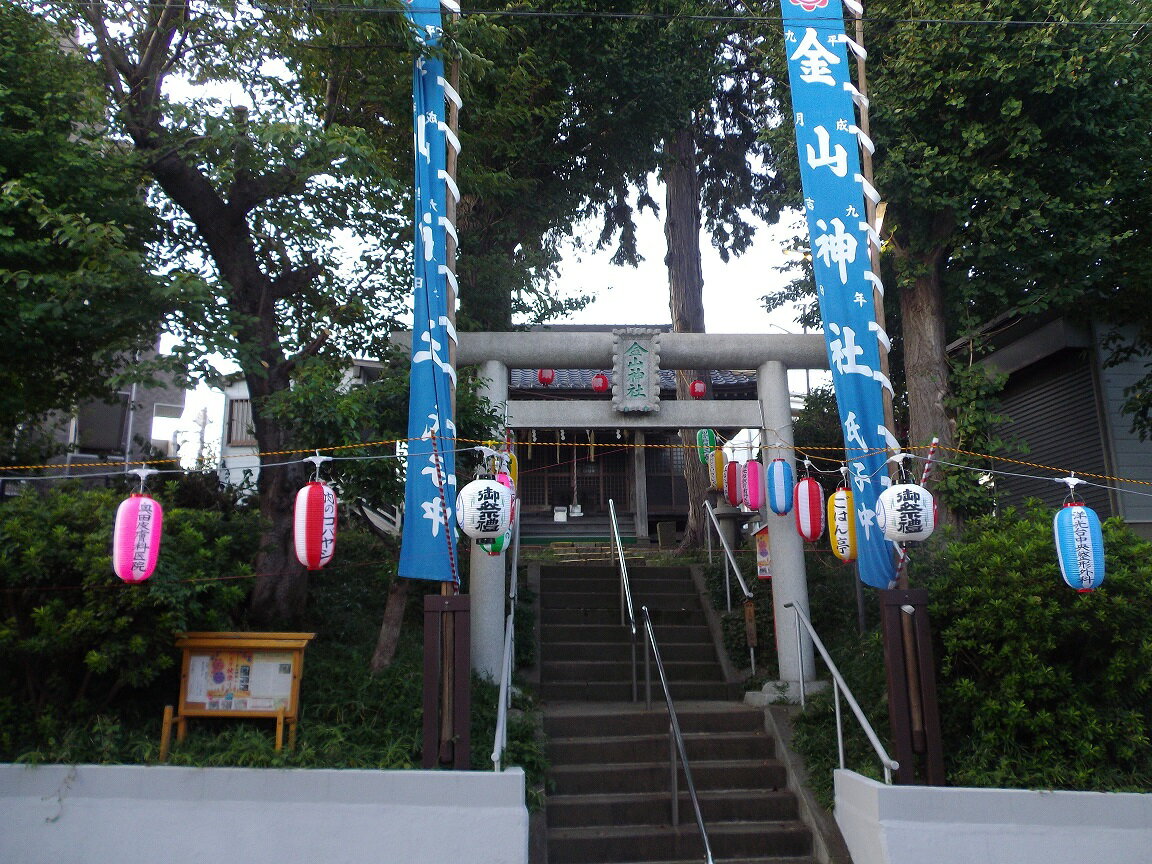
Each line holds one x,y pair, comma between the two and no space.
428,547
826,143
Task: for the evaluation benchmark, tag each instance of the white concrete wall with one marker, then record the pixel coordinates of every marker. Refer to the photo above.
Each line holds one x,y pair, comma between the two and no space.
940,825
134,814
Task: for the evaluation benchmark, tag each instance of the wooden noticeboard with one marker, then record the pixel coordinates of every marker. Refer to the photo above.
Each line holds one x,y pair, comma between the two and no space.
238,675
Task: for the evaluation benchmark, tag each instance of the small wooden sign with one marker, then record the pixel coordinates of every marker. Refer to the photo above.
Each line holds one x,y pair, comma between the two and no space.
238,675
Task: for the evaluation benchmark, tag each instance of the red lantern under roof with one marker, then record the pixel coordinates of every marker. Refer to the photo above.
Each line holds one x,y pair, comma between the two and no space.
697,389
600,382
546,376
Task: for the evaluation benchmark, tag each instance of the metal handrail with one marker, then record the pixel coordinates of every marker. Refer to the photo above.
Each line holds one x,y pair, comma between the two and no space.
838,685
504,701
626,607
678,743
731,559
728,551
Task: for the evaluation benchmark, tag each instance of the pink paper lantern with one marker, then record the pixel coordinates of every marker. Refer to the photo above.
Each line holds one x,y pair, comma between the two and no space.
809,509
136,538
315,525
752,484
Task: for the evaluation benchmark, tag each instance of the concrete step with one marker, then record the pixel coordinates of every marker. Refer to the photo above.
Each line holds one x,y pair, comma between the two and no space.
701,746
654,808
606,845
660,617
614,631
610,585
663,600
629,718
562,671
621,691
630,777
622,651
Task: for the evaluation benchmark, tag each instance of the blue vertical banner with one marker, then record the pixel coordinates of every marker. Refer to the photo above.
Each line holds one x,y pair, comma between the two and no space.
428,543
827,142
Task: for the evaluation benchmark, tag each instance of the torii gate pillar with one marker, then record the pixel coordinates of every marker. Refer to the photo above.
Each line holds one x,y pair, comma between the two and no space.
789,578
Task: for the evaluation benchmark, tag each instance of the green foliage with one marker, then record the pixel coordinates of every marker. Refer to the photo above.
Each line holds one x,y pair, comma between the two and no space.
73,232
73,638
1041,686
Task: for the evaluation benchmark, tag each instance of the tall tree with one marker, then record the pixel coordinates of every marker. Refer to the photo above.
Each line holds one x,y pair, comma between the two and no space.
1012,145
265,200
73,246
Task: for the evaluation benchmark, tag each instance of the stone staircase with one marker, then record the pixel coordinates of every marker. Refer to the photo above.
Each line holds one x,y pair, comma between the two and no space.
608,796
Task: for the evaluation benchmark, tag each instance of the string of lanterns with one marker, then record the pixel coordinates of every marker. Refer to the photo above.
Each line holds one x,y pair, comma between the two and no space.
906,512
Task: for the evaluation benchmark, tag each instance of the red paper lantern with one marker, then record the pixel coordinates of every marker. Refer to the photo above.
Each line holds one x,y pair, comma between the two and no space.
732,484
315,525
136,539
809,509
697,389
600,382
546,376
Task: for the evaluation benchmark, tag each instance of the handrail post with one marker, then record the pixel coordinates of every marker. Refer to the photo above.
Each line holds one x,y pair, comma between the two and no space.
800,657
674,784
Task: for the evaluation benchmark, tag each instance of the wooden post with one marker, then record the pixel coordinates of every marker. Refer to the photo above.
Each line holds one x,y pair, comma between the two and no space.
441,613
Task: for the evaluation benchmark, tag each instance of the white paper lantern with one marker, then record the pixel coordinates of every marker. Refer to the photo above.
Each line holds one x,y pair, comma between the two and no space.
809,509
780,485
906,512
484,509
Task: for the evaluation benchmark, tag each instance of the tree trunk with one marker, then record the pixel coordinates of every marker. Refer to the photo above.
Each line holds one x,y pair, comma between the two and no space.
389,636
686,299
926,368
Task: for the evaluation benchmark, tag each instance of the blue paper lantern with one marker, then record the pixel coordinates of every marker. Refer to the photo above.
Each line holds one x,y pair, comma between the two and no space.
780,486
1079,546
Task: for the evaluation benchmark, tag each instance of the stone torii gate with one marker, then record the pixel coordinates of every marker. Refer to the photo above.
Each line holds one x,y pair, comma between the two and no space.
772,355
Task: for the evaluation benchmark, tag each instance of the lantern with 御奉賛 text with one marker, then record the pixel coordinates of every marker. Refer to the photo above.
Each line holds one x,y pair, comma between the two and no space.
484,509
1079,546
780,486
906,512
809,509
136,538
314,525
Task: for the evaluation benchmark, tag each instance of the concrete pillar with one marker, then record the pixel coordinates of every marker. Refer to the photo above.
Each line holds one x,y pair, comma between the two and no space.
789,578
640,486
487,582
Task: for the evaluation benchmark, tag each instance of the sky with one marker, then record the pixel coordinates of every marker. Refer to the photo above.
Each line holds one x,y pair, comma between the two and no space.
623,296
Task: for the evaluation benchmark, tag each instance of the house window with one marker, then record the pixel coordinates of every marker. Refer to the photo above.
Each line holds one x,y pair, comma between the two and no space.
240,432
101,426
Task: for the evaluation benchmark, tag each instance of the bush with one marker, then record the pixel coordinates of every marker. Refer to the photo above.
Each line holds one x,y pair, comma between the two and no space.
1041,686
73,638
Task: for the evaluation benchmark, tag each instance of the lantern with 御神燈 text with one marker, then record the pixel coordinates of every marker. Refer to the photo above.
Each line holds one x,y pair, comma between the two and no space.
600,382
484,509
697,389
136,538
906,512
546,376
314,526
1079,546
